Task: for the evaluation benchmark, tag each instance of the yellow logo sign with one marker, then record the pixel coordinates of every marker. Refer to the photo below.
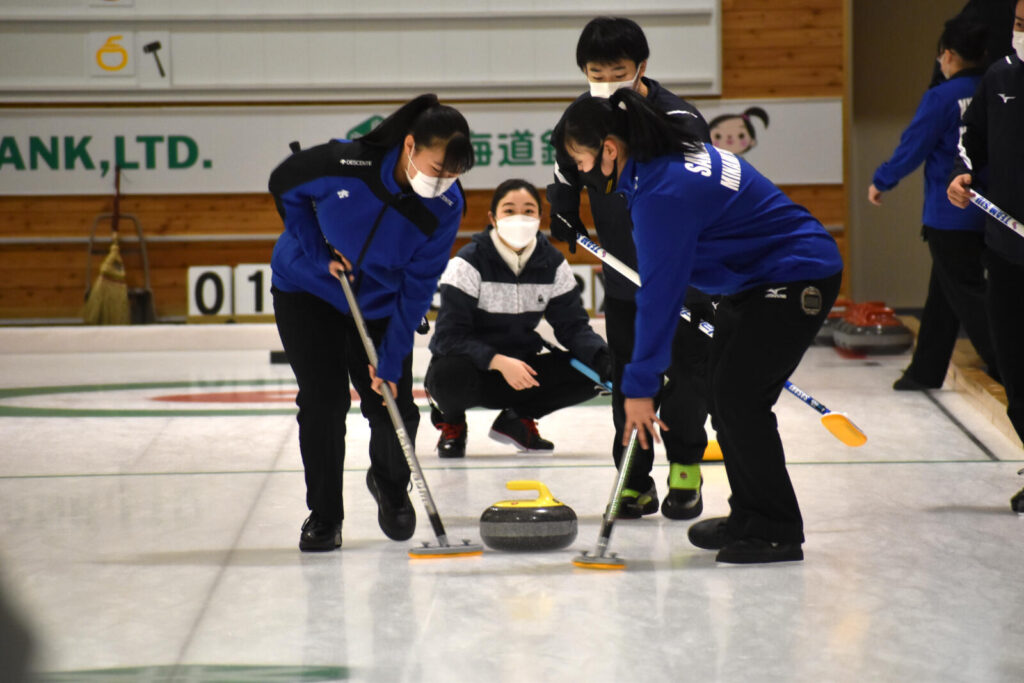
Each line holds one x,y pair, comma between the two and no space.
112,56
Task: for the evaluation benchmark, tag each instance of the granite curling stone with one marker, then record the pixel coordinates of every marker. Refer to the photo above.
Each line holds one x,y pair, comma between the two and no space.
528,525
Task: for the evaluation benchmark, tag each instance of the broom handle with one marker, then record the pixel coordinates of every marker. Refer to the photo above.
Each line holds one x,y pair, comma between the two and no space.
117,199
705,327
415,472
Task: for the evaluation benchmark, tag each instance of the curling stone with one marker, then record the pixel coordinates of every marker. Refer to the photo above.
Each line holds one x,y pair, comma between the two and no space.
875,330
835,316
539,524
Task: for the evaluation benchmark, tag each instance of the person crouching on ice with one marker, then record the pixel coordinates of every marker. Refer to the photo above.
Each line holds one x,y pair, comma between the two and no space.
486,349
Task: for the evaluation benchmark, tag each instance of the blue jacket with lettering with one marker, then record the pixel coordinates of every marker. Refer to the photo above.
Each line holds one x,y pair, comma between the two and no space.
932,137
711,221
343,195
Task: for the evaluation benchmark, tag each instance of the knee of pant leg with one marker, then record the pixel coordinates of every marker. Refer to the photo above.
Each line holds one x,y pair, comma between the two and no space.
452,381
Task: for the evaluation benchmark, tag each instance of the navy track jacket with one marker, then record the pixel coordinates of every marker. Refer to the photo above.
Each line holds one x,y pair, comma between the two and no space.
344,194
711,221
486,309
993,139
932,137
611,215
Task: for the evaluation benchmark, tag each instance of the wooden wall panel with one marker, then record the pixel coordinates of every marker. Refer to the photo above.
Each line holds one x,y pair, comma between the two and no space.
782,48
48,280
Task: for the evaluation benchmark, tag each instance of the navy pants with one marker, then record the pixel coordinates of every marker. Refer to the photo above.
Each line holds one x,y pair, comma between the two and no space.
956,296
760,336
325,351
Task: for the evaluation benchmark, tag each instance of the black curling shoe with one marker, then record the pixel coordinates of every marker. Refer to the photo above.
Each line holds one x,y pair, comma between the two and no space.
683,503
452,442
521,432
758,551
318,535
710,534
395,513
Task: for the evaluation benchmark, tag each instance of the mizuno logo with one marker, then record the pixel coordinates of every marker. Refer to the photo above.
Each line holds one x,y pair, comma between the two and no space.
775,293
342,194
1006,98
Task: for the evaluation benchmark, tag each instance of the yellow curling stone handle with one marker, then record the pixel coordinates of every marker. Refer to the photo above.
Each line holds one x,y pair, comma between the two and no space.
543,499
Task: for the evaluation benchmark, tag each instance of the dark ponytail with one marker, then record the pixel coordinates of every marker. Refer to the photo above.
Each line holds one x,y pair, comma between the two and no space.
649,132
430,123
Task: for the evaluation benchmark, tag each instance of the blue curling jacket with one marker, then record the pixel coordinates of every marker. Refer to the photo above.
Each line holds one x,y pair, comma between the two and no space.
932,137
711,221
343,194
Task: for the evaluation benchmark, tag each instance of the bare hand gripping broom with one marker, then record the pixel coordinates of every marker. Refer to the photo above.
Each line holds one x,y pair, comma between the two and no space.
106,302
443,549
841,426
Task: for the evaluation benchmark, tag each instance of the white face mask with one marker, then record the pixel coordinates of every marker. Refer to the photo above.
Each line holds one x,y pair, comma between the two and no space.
1018,44
605,89
517,231
427,186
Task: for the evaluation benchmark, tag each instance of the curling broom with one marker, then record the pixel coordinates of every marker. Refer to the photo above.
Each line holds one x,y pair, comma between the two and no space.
601,559
997,213
106,302
838,424
443,548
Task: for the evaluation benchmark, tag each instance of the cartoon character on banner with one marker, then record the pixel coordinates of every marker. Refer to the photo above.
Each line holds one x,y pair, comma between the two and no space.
735,132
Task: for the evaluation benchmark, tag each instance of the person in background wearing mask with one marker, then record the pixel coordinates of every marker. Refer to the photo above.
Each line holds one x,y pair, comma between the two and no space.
956,287
612,53
993,138
382,210
486,349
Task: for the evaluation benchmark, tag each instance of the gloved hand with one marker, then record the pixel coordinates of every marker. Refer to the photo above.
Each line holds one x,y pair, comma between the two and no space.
603,365
565,214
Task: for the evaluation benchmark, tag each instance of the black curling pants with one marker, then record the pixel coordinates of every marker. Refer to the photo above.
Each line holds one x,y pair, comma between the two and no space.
683,399
325,351
956,296
1005,289
456,384
760,338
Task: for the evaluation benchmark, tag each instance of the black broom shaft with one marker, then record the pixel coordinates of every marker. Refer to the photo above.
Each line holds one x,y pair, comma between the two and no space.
396,418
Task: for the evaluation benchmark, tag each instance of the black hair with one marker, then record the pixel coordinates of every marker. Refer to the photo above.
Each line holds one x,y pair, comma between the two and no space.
608,39
511,185
965,35
430,123
649,132
747,113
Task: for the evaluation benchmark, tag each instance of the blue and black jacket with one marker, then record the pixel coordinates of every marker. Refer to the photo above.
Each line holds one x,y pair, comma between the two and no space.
711,221
993,140
932,137
344,195
487,309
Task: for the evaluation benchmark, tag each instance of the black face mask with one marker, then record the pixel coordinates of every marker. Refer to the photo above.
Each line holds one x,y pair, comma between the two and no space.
596,180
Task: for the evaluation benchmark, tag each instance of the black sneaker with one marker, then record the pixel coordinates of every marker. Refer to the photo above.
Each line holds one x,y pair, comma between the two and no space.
908,383
521,432
634,505
1017,502
395,513
318,535
710,534
758,551
452,442
683,503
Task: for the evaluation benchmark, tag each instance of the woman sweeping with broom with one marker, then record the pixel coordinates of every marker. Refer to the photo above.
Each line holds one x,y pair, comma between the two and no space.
384,209
704,217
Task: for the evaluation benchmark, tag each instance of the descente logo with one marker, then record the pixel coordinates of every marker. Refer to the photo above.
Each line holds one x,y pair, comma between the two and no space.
444,198
355,162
